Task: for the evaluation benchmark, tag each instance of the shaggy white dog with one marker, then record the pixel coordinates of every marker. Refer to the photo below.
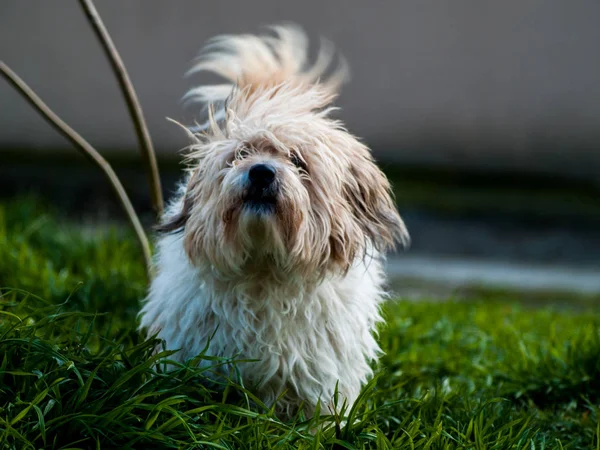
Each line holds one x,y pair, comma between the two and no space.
272,251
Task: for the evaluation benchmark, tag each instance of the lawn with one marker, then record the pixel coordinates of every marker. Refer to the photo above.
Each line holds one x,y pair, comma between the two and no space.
74,373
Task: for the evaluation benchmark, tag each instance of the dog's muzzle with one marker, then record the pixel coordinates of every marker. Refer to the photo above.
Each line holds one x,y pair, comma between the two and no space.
262,187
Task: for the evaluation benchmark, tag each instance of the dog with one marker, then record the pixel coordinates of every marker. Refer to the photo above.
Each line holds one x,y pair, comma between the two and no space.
272,250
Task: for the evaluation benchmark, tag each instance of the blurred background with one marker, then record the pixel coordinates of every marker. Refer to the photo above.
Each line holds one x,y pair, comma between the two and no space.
485,116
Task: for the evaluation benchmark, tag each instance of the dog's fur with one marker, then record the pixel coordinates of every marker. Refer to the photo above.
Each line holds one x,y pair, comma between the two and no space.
294,279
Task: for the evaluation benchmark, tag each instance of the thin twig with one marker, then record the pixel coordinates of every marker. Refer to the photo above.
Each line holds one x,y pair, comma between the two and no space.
86,149
133,104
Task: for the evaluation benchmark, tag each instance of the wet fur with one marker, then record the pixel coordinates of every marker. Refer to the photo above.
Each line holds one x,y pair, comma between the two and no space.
297,288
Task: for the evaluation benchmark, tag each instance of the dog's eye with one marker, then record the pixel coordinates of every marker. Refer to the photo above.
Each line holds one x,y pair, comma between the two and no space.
298,162
242,153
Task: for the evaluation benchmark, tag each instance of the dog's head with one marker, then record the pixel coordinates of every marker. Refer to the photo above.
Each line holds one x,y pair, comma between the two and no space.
278,185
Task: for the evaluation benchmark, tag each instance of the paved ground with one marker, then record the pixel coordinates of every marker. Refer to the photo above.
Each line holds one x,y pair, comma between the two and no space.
449,253
413,273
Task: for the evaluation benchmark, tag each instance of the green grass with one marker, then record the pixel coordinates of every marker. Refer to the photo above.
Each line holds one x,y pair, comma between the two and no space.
462,374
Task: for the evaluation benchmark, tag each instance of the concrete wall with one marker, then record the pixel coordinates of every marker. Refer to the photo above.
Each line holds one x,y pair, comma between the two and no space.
511,83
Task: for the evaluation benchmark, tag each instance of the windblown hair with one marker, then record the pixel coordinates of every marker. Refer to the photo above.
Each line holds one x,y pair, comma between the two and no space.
260,63
294,282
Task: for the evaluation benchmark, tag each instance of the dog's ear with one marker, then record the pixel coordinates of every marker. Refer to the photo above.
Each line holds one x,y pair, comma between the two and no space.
176,222
369,194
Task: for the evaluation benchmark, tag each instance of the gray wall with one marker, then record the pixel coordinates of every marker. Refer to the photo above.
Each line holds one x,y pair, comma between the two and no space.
511,83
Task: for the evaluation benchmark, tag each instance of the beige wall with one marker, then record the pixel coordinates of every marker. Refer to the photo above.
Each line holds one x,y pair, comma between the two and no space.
509,82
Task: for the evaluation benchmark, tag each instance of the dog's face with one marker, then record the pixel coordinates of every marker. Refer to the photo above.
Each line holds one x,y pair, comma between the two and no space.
296,195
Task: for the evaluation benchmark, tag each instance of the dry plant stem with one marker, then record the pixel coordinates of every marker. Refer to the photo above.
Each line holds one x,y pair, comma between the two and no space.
86,149
133,104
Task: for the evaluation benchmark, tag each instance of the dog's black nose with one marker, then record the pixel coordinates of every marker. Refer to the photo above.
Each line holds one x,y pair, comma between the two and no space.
261,175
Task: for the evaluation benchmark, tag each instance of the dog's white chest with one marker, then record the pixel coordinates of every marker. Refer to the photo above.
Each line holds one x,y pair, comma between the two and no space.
305,345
